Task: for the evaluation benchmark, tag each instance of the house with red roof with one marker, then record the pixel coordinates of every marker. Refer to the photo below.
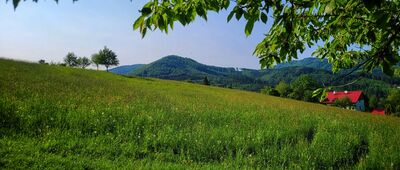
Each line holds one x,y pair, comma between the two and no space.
357,98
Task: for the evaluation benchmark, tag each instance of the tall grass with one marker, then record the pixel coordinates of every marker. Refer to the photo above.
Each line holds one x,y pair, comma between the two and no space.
55,117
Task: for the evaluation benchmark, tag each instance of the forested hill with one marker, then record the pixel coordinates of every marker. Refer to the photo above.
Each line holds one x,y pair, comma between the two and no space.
179,68
185,69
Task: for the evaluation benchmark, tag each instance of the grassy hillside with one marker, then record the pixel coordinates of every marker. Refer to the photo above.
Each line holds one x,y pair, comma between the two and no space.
56,117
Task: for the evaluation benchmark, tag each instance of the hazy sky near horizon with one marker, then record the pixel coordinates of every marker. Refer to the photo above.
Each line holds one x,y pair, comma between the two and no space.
46,30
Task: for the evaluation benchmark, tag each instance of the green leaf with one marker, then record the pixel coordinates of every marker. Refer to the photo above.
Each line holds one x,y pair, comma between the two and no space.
321,93
230,15
200,10
329,8
264,17
143,32
138,23
226,4
277,59
15,3
239,13
321,8
249,27
146,10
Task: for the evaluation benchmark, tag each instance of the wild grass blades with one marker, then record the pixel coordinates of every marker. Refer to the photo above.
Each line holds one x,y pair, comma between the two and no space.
57,117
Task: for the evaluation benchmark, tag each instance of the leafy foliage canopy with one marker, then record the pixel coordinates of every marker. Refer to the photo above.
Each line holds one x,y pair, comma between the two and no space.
354,33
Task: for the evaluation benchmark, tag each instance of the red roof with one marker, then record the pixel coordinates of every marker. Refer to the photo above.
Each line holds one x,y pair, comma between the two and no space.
378,112
354,96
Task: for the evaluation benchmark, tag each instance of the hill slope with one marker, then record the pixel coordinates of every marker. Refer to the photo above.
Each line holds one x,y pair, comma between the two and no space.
126,69
177,67
63,118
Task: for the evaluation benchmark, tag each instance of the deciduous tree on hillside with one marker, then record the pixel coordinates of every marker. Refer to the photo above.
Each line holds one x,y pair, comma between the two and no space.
71,60
96,60
108,58
302,88
83,62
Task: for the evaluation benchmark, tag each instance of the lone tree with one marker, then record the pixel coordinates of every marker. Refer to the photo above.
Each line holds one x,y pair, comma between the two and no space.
83,62
96,60
108,58
71,60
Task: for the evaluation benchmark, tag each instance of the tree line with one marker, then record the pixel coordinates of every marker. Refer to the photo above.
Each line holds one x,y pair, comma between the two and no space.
300,89
105,57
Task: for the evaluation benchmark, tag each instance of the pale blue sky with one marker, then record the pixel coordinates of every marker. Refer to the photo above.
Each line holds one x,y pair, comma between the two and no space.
47,30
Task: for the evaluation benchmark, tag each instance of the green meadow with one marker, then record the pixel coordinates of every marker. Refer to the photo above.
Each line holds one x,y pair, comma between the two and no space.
55,117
